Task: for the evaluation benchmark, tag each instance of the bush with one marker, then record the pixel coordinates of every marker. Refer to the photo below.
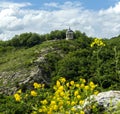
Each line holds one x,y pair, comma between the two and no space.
63,98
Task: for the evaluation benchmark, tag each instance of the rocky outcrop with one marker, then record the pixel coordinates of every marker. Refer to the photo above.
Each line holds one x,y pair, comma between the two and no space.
109,98
11,81
106,102
22,79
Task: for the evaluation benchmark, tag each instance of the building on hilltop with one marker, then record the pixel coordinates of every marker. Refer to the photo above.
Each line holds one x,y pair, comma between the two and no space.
69,34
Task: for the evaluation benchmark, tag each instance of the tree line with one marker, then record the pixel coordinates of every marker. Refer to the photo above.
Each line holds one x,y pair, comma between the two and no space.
31,39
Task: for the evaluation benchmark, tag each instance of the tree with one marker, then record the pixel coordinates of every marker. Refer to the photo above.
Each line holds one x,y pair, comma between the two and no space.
33,40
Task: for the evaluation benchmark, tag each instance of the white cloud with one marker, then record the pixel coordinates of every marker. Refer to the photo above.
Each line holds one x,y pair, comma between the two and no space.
109,20
16,18
13,5
111,10
52,4
66,5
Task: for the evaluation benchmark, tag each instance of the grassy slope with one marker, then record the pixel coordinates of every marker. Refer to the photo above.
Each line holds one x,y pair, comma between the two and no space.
23,59
15,59
20,61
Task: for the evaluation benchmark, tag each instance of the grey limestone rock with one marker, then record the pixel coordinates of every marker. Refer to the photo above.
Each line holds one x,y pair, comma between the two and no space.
109,98
106,102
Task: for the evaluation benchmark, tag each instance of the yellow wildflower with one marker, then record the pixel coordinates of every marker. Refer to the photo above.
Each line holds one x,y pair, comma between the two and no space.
86,87
44,102
63,80
40,110
78,96
55,107
36,85
50,112
33,93
81,102
67,112
68,102
96,92
44,109
57,98
72,82
82,85
17,97
82,80
76,93
58,83
82,112
94,106
91,83
73,109
53,102
77,85
19,91
42,85
67,84
54,87
34,112
26,95
72,103
61,88
61,103
92,44
62,94
97,42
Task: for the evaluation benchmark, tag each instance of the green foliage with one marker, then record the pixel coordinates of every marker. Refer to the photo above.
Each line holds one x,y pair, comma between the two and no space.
33,40
117,111
10,106
74,64
50,62
63,98
71,58
57,34
25,40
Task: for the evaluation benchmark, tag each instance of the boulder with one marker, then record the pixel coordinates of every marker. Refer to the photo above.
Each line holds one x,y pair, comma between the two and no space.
105,101
108,98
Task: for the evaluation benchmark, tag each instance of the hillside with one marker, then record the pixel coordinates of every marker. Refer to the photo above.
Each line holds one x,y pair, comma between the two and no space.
29,58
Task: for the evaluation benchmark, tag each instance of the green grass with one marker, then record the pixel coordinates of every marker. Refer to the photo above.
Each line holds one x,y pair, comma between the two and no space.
23,58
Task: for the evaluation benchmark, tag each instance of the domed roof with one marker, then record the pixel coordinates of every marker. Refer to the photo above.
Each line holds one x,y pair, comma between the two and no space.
69,30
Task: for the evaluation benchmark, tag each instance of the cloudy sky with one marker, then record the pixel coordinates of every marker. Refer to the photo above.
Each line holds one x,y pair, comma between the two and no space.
97,18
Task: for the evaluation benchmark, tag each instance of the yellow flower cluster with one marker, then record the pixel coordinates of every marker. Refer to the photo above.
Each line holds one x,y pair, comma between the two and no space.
97,42
67,95
62,80
92,85
17,95
33,93
37,86
64,98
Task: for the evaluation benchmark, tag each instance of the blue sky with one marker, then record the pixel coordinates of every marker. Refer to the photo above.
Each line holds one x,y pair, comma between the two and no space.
88,4
97,18
98,4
